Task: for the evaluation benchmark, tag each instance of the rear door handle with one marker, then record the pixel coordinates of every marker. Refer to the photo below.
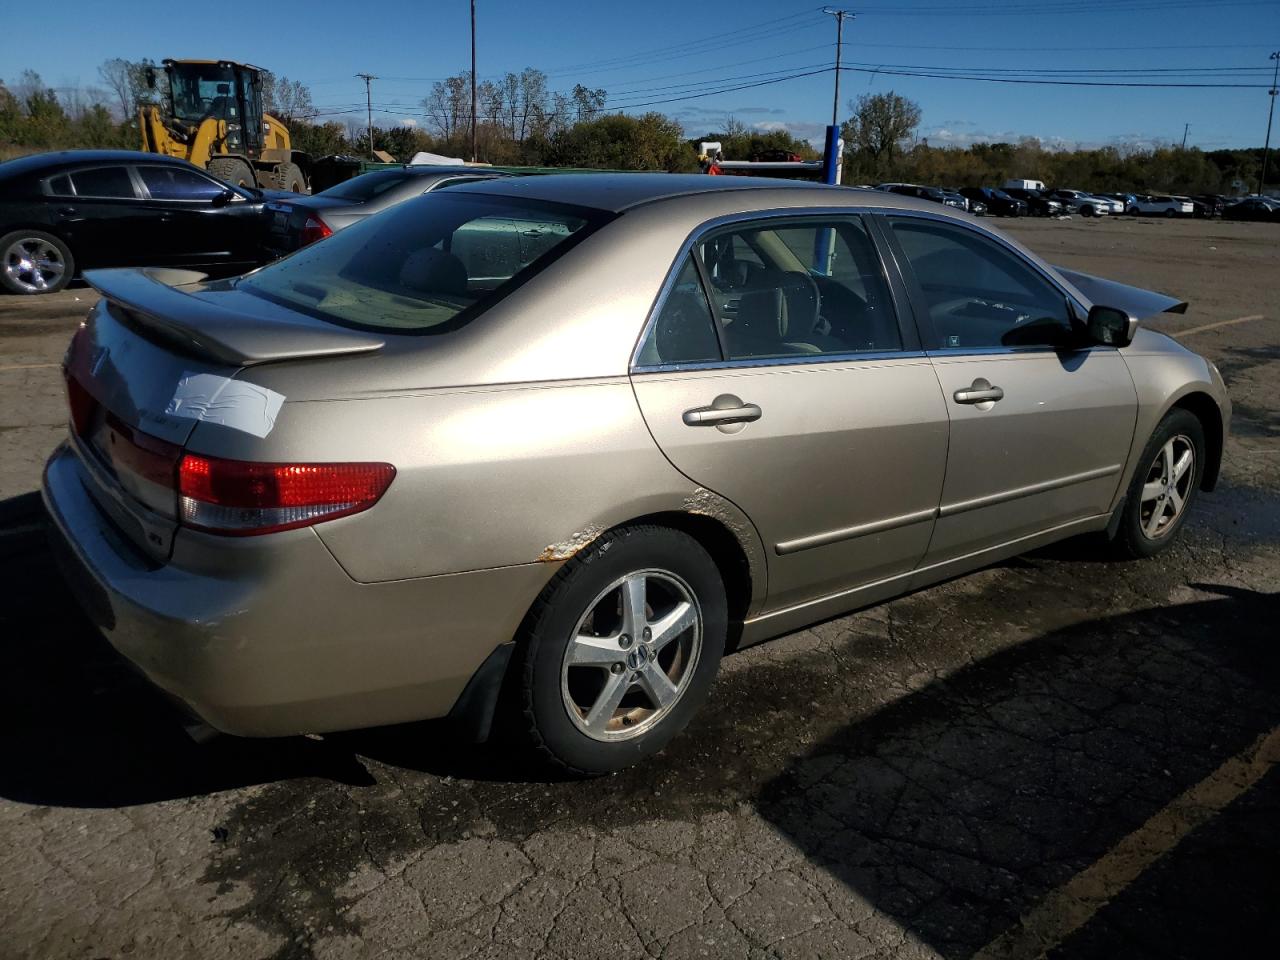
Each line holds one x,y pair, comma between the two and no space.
66,211
980,391
715,416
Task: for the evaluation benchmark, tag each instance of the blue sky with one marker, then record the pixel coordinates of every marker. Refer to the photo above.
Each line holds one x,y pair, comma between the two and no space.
658,50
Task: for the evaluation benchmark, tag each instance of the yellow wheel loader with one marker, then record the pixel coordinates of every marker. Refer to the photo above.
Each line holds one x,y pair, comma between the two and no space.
212,115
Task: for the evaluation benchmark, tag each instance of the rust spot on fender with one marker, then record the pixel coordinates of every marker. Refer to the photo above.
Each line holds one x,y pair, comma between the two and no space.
565,549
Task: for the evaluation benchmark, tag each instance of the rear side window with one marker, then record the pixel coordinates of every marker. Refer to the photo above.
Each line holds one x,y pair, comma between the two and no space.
175,183
684,330
109,182
427,265
61,187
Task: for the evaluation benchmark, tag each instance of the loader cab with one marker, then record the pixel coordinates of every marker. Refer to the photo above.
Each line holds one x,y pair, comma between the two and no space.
202,90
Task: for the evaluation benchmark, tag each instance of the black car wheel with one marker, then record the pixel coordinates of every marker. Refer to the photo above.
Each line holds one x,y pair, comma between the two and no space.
1086,211
620,650
32,261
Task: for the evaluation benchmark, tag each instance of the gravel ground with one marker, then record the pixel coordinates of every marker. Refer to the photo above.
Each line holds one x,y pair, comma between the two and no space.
1053,756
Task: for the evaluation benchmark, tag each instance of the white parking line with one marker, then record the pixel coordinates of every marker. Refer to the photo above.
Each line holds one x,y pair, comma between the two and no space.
1215,326
1074,903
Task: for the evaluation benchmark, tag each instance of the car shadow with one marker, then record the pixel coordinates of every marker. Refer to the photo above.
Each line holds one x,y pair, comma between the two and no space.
958,808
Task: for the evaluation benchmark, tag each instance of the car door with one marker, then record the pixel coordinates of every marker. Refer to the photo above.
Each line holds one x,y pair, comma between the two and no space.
775,372
1041,424
198,225
100,213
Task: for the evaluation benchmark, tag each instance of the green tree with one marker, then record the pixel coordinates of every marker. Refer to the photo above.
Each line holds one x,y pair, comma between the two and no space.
622,142
880,125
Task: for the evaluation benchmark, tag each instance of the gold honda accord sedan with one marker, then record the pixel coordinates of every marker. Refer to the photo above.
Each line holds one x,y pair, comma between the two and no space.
558,443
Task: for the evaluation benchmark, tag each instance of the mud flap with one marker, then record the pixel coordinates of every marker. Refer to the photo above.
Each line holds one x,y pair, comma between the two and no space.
475,708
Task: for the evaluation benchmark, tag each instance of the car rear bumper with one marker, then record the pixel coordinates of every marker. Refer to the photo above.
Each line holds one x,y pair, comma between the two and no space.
274,638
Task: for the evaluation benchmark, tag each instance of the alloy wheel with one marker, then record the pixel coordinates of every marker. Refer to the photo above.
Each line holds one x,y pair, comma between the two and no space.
33,265
632,655
1167,487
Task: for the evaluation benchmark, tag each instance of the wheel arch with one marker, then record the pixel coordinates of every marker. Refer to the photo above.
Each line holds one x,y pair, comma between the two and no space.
1206,410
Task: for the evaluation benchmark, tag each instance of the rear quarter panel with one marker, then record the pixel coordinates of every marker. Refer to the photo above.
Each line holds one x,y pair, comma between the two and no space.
486,477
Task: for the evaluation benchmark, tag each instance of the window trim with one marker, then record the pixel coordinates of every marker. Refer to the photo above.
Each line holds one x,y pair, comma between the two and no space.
903,307
137,169
928,335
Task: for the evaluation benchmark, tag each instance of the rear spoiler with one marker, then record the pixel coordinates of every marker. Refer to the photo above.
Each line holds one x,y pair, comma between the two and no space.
227,332
1133,300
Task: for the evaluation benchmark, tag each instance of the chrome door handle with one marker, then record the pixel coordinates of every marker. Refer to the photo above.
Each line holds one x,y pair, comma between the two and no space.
980,391
715,416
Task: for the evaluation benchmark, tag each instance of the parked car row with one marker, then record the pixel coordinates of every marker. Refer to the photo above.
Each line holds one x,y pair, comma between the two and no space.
63,213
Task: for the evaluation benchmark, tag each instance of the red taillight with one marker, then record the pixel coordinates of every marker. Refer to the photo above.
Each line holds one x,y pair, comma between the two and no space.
238,498
314,229
82,405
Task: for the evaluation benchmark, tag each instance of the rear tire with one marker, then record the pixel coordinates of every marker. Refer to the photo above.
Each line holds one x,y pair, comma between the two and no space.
288,176
233,170
34,262
602,684
1159,496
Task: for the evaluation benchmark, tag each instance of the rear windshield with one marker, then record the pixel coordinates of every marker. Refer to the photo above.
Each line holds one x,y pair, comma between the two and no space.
425,266
366,186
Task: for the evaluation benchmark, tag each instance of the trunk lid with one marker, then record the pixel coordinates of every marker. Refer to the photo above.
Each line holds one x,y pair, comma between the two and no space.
150,362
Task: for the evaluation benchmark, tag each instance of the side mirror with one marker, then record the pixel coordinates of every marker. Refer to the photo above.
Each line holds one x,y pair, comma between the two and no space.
1111,327
224,198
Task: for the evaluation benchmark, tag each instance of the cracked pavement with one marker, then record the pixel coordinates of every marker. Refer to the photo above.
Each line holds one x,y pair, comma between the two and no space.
915,780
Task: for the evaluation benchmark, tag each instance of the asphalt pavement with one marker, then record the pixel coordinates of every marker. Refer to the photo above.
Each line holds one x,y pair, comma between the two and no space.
1056,756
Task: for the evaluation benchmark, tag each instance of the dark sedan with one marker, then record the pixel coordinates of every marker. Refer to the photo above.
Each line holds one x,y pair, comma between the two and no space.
62,213
297,221
1253,208
998,203
1037,203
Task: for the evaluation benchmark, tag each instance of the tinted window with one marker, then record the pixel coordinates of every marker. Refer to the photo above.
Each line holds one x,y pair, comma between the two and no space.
683,331
811,287
103,182
426,265
979,294
175,183
367,185
60,186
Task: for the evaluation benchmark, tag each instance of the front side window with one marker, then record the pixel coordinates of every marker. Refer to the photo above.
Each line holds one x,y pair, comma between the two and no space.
427,265
175,183
807,287
978,294
108,182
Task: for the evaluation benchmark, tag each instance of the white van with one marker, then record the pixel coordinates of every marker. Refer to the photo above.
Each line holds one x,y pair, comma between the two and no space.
1022,185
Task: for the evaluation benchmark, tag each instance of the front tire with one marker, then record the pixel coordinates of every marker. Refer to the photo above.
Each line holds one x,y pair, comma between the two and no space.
34,262
233,170
288,176
619,652
1163,487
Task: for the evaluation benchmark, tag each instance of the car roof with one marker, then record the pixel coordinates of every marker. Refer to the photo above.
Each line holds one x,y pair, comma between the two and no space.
65,159
617,192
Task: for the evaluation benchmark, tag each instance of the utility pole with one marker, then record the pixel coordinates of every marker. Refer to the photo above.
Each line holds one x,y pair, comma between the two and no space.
368,79
473,81
1266,150
1185,128
835,100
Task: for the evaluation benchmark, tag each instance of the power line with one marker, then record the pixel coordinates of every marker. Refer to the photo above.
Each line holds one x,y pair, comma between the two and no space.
1060,83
